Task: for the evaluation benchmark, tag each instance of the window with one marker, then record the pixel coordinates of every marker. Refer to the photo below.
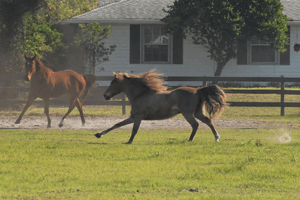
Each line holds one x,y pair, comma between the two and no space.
258,52
156,45
151,44
261,52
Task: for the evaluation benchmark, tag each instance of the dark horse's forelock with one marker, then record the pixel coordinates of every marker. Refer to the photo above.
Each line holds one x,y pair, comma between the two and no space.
151,80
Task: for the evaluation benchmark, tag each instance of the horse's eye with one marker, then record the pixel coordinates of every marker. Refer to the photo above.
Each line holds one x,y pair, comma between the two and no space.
27,64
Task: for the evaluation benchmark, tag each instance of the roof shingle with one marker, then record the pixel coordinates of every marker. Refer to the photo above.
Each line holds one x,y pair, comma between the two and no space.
129,9
291,9
151,10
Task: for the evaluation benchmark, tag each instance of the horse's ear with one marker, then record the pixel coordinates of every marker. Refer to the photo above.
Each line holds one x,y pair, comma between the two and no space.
115,73
25,57
33,57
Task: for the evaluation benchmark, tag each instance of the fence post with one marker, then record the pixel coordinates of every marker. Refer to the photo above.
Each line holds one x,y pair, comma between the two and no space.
282,98
123,103
204,82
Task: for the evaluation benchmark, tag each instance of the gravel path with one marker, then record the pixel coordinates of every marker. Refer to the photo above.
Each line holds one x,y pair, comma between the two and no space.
100,123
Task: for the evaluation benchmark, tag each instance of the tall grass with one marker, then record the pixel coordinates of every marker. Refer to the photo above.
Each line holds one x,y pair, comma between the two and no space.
248,163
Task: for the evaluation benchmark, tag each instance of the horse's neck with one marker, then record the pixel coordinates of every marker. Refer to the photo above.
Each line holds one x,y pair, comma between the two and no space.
44,72
134,89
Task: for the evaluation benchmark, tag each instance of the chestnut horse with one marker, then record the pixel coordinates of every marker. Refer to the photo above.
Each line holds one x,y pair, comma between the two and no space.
151,100
46,84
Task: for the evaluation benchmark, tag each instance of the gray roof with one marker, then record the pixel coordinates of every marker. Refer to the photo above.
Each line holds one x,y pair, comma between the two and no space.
149,11
291,9
125,11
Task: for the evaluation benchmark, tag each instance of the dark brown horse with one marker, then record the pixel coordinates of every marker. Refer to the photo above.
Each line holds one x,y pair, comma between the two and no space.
150,100
46,84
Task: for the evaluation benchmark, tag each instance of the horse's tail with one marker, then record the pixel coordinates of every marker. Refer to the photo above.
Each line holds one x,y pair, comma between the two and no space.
89,80
214,99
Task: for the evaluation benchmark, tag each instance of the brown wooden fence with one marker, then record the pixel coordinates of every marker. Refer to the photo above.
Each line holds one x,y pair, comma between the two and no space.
96,97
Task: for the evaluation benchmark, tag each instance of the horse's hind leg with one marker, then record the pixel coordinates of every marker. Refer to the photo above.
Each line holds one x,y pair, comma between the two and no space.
199,115
46,111
78,104
189,117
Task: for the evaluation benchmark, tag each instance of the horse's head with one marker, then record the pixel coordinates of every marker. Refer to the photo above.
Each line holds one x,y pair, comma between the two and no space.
30,67
115,87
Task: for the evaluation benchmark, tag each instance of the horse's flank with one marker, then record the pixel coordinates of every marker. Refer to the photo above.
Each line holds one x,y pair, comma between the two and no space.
56,83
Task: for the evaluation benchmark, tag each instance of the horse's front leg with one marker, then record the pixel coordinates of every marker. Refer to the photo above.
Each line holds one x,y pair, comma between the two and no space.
136,125
122,123
30,100
46,111
72,99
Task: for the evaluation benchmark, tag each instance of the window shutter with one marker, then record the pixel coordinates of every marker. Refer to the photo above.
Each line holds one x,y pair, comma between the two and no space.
134,44
178,47
241,56
285,57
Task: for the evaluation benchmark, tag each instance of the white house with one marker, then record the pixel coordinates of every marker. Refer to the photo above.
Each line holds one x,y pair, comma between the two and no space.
141,44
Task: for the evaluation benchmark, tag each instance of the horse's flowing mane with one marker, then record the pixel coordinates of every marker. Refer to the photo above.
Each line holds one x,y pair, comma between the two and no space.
151,80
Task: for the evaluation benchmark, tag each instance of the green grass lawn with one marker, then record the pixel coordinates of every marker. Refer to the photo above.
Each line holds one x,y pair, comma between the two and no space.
248,163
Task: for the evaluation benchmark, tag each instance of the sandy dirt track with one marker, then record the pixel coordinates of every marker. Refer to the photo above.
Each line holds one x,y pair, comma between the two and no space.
101,123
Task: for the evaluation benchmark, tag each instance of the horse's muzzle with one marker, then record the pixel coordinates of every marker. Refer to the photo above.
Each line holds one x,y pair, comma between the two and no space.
106,97
27,78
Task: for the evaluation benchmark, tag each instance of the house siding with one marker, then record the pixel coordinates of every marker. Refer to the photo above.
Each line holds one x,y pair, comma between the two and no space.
292,70
195,60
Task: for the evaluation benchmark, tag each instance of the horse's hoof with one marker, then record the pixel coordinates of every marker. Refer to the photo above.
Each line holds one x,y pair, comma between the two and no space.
217,140
127,142
49,126
98,135
17,122
60,125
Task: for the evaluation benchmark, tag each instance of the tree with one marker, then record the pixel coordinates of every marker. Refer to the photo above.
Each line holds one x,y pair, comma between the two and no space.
28,26
38,37
39,33
91,39
11,22
219,24
11,16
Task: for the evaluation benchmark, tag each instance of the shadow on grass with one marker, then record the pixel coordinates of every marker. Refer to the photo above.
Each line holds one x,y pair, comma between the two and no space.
101,143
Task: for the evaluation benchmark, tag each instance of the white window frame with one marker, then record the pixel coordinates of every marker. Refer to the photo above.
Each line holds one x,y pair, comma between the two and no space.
142,42
250,45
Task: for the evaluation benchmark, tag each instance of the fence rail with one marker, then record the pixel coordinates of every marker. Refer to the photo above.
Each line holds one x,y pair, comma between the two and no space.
282,91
